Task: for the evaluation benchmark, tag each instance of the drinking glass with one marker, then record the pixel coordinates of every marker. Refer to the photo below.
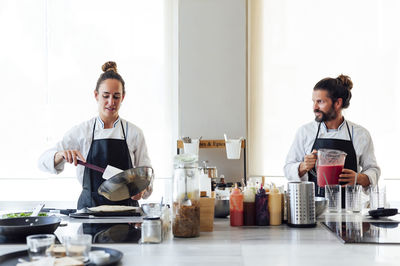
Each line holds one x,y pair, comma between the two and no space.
78,246
334,195
377,197
353,198
38,245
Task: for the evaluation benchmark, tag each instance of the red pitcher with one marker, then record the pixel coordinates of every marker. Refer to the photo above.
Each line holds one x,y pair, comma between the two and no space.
329,166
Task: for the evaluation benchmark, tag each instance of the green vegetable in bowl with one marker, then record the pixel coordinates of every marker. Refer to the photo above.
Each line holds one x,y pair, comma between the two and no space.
22,214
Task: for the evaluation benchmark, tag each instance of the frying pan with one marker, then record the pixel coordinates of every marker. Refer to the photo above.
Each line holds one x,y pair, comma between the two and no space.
24,226
123,185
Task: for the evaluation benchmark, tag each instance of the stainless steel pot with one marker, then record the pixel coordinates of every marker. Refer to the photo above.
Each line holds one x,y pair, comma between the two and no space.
221,209
301,204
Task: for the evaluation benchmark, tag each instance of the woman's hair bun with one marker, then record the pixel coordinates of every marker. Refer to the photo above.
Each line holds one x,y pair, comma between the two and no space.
346,81
108,66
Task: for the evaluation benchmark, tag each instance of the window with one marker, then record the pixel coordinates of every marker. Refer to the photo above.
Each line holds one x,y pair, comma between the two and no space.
294,44
52,52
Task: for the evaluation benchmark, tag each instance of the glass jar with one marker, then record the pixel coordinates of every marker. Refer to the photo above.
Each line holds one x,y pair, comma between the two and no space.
186,197
151,230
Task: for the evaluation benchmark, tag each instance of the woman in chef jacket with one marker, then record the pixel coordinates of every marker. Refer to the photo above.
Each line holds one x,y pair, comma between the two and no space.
103,140
331,131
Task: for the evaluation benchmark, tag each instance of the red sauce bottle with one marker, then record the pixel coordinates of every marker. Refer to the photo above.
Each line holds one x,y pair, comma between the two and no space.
236,207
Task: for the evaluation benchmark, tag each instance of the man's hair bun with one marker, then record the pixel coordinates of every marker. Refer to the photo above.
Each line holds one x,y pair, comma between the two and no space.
346,81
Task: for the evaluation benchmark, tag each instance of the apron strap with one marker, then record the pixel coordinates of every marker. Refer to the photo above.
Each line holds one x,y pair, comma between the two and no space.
316,137
123,130
348,130
94,126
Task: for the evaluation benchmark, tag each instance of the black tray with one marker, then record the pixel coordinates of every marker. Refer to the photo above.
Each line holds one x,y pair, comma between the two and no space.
85,213
11,259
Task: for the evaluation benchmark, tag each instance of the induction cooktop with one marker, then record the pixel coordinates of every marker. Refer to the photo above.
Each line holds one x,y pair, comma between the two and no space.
365,232
101,233
113,232
17,240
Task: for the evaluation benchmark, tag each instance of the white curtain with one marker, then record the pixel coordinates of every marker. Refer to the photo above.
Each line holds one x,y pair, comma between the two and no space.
293,44
52,52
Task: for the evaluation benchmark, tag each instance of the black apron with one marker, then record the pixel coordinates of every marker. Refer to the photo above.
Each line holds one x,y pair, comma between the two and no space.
104,152
337,144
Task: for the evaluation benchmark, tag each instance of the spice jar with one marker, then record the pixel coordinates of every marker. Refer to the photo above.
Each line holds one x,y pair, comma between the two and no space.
186,197
151,230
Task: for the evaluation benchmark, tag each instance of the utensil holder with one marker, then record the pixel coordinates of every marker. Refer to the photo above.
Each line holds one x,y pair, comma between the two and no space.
301,204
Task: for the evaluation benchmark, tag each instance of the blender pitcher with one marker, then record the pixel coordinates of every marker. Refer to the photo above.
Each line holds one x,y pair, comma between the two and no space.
329,165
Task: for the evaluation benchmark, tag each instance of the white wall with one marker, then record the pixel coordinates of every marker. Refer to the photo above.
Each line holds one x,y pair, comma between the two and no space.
212,76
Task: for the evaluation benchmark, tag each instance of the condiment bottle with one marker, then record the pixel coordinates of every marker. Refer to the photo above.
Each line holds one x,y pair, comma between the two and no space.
249,206
236,207
275,207
262,214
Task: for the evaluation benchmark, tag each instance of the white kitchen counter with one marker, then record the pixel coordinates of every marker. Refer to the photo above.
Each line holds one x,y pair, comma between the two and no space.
270,245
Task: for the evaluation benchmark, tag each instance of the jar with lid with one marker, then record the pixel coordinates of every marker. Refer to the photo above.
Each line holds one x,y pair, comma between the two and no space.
151,230
186,197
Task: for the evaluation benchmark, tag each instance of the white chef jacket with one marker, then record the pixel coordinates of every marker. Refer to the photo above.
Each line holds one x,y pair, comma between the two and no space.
304,141
80,138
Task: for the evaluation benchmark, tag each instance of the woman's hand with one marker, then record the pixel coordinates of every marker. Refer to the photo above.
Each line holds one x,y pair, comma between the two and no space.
138,196
70,156
349,177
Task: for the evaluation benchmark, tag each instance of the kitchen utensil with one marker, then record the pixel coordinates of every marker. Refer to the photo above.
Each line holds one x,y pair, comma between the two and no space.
23,226
187,140
355,180
108,172
126,184
382,212
186,201
329,166
321,204
301,204
37,209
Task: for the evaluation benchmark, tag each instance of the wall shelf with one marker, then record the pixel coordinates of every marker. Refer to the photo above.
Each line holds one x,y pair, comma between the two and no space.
216,144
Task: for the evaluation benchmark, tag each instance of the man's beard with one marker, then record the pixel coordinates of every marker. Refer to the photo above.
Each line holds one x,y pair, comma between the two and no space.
328,116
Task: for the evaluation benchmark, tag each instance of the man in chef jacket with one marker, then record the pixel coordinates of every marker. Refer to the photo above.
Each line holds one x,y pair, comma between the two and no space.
330,130
103,140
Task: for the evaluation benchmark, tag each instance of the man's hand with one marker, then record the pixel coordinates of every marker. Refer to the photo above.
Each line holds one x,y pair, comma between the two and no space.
349,177
308,163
